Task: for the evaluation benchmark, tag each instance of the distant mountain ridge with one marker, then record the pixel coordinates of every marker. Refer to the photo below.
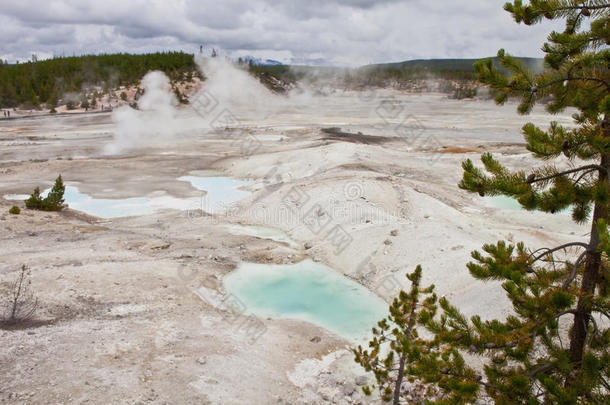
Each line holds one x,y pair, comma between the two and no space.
444,65
259,61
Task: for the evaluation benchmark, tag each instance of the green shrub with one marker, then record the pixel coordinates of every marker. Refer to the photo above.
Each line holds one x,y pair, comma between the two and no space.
52,202
35,200
55,200
14,210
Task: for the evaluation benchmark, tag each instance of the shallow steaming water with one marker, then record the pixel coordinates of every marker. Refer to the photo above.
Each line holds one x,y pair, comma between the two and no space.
307,291
221,192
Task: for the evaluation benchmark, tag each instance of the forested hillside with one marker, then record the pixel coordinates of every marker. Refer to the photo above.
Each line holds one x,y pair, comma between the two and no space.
453,76
28,85
33,83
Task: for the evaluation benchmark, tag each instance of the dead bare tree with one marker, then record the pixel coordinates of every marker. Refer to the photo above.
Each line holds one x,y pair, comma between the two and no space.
21,303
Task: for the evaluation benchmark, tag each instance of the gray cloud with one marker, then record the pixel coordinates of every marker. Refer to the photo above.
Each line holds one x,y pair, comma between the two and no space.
343,32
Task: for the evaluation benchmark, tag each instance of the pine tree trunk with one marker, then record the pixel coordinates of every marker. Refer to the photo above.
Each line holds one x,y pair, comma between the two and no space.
583,308
401,370
408,335
590,276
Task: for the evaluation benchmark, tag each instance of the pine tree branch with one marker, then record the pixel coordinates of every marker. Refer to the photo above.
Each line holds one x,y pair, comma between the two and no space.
578,169
570,78
479,380
529,333
604,382
604,313
582,69
569,280
583,175
592,7
595,328
541,369
564,246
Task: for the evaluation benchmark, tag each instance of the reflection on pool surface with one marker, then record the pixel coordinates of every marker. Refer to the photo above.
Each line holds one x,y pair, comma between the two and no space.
307,291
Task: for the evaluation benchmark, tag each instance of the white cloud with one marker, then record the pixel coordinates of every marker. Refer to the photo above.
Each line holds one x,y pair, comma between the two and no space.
347,32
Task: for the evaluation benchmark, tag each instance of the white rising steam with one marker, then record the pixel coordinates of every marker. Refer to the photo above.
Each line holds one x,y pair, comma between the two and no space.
235,89
227,87
153,124
243,95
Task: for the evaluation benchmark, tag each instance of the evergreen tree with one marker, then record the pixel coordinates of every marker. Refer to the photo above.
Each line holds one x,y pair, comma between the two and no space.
84,102
55,199
578,76
35,200
52,202
398,331
52,100
35,101
554,347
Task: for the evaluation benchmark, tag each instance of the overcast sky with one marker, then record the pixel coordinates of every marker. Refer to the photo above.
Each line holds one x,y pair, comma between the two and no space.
338,32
